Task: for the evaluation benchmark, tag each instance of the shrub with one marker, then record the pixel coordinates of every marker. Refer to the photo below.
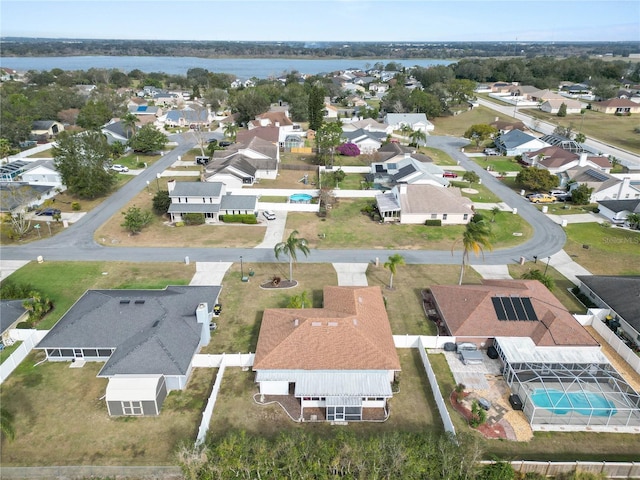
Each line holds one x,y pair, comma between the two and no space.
141,165
75,206
193,218
478,415
179,224
24,325
248,219
582,297
433,223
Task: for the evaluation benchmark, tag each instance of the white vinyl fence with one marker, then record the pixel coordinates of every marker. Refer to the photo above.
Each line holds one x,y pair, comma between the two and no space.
29,338
244,360
552,469
211,402
594,318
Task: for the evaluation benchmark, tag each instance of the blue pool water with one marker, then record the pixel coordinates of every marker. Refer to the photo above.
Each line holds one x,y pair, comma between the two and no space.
561,403
300,197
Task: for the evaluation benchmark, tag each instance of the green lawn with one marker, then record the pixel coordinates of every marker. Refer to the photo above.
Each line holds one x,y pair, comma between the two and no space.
498,164
484,195
133,159
456,125
438,156
611,250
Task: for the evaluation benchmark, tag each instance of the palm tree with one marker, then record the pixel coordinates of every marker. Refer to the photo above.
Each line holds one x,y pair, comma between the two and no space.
392,264
494,213
230,130
290,248
417,136
634,220
129,123
406,130
6,424
476,237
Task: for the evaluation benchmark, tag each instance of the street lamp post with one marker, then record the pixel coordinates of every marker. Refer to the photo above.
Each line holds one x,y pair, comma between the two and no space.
241,268
158,181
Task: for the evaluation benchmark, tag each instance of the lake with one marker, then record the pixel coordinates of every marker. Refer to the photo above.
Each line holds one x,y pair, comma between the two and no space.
242,68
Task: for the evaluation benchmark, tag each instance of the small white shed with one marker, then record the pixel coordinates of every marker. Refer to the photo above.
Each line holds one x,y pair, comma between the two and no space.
137,395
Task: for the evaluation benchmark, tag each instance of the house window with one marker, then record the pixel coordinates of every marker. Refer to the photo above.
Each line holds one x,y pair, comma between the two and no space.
466,216
444,216
179,200
131,408
434,216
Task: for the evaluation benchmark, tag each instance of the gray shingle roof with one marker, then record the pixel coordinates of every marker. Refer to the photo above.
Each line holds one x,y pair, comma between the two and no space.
239,202
621,293
158,336
197,189
630,205
10,311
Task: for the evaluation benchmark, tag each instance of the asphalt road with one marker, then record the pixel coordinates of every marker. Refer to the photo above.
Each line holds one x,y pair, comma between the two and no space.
77,243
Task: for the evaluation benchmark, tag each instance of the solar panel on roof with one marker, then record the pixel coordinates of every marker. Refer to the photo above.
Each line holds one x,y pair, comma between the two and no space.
508,307
497,305
514,308
596,174
528,307
519,308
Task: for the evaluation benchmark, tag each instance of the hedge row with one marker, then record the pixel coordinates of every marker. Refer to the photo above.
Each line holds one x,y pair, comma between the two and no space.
249,219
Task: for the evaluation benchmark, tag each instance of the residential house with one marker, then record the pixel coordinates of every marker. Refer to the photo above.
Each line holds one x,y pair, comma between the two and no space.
605,186
557,160
146,338
271,119
417,121
188,117
85,90
553,105
616,106
394,152
244,164
163,98
516,142
330,111
415,204
10,172
386,175
617,211
7,74
208,198
115,131
338,361
507,308
45,130
368,124
18,197
367,141
619,294
504,126
143,111
42,172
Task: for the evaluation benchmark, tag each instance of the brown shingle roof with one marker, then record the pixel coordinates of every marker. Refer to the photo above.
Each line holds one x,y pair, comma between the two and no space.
468,311
351,332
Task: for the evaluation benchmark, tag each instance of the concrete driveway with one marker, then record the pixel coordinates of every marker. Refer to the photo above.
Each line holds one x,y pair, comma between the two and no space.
352,274
7,267
275,229
210,273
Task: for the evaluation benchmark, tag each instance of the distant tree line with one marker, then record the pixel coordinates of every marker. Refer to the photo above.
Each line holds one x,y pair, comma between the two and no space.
38,47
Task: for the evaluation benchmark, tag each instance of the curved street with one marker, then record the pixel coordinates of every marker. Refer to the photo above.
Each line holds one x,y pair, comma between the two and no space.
77,242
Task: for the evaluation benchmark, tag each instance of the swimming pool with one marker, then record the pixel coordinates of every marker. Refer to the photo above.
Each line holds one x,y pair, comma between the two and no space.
300,198
584,403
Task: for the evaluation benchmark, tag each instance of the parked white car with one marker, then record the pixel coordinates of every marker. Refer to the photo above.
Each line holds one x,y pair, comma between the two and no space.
119,168
269,215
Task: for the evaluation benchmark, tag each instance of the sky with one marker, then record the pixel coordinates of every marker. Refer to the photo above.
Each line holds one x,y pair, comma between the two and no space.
325,20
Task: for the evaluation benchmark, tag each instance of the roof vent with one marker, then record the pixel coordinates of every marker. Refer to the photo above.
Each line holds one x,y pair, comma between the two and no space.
355,321
155,324
316,324
359,299
332,324
139,302
296,322
125,302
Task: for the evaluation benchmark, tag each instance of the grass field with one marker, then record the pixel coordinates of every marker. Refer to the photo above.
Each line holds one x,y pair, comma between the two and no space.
456,125
346,227
611,250
610,129
498,164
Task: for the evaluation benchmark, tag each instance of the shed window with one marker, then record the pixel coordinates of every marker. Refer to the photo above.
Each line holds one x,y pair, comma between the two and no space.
132,408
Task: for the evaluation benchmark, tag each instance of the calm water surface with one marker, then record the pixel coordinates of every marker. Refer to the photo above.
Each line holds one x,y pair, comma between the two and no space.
242,68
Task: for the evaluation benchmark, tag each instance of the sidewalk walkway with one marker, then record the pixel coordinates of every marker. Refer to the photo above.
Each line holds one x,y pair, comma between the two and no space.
577,218
7,267
562,262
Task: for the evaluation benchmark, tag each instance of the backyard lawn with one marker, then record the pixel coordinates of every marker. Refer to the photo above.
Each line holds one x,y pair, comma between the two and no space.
456,125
